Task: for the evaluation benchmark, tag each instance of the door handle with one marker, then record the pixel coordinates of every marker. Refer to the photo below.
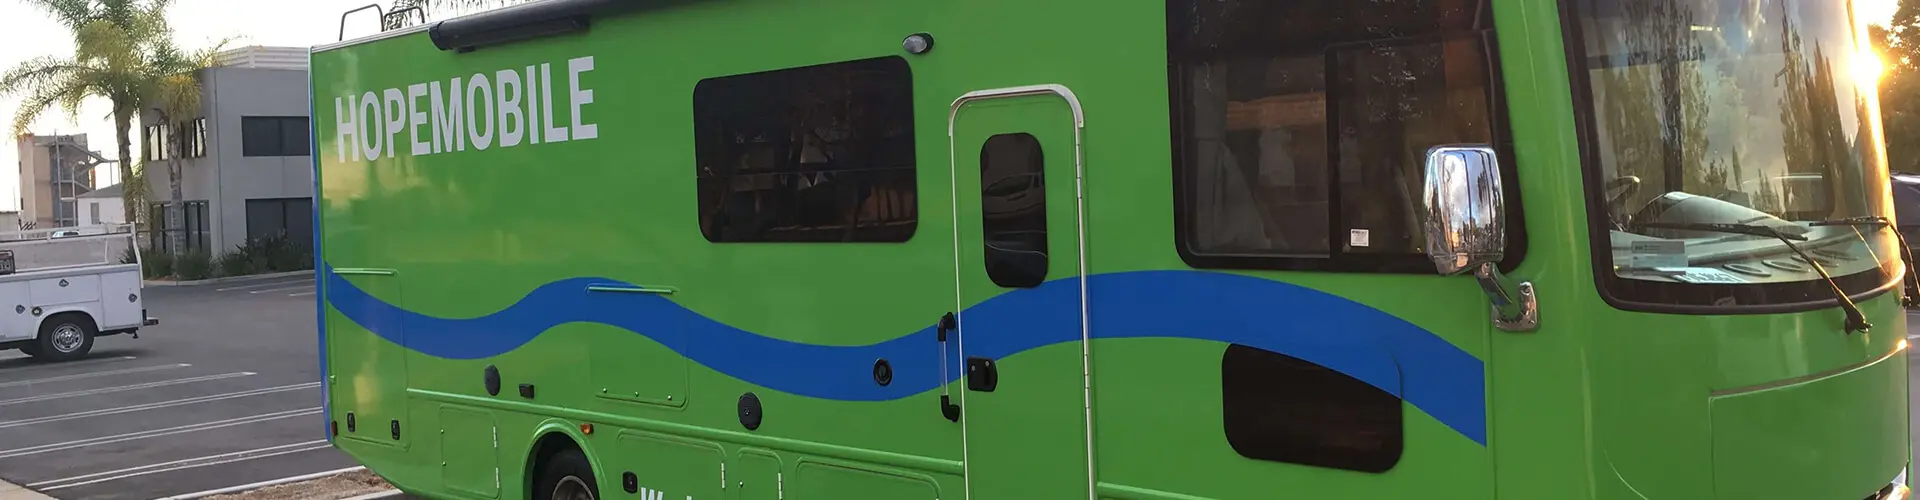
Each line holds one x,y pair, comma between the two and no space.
656,290
948,322
363,271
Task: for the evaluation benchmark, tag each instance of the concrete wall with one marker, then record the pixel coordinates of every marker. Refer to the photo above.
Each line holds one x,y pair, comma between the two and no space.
111,211
224,177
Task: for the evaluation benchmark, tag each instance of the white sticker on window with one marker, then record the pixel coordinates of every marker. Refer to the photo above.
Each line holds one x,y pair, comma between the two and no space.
1654,254
1359,238
1706,275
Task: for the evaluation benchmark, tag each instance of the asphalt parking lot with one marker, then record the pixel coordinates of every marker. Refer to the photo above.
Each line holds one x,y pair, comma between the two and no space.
223,392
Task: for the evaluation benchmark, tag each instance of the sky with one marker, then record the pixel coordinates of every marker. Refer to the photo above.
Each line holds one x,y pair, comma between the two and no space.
27,32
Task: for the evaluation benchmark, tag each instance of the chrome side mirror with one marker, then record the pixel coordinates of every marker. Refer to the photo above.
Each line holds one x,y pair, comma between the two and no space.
1466,225
1466,228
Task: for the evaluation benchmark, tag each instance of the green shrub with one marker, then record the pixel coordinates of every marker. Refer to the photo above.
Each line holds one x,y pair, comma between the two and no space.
276,253
196,264
235,264
157,264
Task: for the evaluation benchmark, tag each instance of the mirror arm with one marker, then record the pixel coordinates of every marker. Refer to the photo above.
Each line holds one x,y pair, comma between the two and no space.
1514,306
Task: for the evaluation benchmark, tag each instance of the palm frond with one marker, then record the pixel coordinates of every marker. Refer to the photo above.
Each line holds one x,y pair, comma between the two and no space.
40,99
453,6
179,95
36,72
72,13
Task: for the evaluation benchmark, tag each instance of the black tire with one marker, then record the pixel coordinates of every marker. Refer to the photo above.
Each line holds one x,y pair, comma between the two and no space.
57,341
568,468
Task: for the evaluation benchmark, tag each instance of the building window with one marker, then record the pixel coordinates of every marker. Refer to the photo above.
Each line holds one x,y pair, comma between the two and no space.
274,136
93,211
1281,408
289,217
195,223
155,144
813,154
1300,128
193,138
192,135
1013,210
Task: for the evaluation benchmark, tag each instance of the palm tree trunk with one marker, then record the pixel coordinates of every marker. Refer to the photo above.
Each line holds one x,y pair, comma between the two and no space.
122,122
176,210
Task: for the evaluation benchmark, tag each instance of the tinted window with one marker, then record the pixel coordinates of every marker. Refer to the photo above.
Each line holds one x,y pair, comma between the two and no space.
1013,210
1300,127
813,154
274,136
1281,408
289,217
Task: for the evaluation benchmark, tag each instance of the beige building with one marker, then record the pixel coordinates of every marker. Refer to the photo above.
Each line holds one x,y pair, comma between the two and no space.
54,171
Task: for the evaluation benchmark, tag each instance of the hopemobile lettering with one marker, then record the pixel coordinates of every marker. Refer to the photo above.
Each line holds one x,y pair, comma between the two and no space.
461,113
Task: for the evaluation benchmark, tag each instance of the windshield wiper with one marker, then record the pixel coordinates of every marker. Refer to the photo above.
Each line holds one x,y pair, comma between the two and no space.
1855,320
1911,282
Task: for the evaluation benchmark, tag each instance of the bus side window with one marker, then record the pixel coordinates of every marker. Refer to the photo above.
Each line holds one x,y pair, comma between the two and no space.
1300,144
1013,210
814,154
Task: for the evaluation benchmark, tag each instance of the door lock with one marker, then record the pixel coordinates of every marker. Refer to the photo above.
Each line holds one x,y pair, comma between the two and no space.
982,374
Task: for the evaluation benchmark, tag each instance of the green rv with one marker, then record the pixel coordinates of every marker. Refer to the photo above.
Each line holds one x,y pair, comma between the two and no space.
1076,249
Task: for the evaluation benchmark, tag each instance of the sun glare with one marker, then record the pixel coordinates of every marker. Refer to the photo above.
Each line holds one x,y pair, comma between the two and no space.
1878,12
1867,68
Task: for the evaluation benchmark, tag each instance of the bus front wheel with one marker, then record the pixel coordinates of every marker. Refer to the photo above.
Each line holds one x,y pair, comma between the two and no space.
566,476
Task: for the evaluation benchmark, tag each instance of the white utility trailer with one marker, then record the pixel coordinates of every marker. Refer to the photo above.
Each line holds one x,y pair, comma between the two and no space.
61,288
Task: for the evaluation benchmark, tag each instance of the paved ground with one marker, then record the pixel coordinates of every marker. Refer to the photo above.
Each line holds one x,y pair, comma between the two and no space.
223,392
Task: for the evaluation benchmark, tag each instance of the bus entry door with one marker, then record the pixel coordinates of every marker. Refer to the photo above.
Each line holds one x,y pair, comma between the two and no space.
1020,380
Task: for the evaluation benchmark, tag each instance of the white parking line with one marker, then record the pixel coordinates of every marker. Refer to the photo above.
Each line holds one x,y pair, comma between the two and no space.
123,388
108,373
71,364
258,285
287,289
151,406
301,294
131,436
191,463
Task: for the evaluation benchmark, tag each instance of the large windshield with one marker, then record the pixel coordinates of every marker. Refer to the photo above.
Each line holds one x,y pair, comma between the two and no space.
1733,112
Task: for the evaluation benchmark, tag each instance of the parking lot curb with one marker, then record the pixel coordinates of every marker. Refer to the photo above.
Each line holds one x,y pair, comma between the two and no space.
9,491
372,496
228,279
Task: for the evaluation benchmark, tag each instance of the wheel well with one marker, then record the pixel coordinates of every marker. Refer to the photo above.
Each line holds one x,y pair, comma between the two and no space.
84,318
549,444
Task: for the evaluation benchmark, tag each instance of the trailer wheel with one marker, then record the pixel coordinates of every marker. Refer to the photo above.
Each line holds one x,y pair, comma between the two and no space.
64,337
566,476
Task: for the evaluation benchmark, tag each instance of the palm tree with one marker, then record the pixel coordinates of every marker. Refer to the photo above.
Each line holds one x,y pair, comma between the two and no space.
114,58
176,96
123,52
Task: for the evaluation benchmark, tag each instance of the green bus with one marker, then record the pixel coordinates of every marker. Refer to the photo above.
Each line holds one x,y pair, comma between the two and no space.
992,249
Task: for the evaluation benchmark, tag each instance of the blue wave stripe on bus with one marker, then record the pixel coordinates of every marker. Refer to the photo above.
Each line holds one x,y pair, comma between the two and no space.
1365,343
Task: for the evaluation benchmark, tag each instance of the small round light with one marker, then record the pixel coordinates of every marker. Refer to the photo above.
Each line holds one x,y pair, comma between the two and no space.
917,43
